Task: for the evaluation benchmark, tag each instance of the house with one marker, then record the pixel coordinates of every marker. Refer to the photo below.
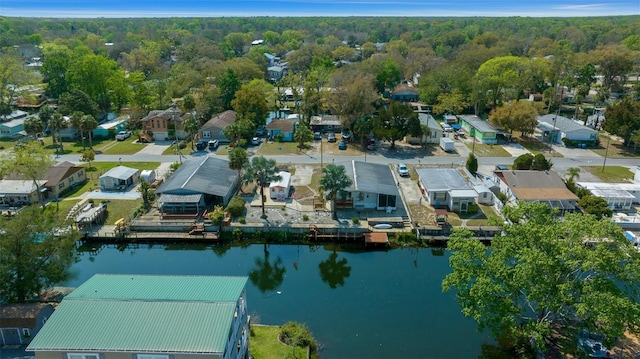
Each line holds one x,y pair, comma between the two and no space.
405,93
482,130
119,178
435,130
165,124
19,323
63,176
555,128
12,129
536,186
325,123
281,128
114,316
450,119
446,187
272,60
277,72
111,128
619,196
198,184
280,190
214,128
373,187
420,107
69,132
17,193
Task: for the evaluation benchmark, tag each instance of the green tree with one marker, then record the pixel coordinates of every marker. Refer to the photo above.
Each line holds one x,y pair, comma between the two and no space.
88,123
591,279
302,134
334,180
88,155
237,41
596,206
56,63
505,75
613,62
238,158
516,116
523,162
77,101
34,253
450,103
623,118
14,79
30,161
229,84
250,104
56,124
241,129
191,125
353,95
540,163
472,163
573,173
388,76
397,121
147,194
262,172
334,271
33,126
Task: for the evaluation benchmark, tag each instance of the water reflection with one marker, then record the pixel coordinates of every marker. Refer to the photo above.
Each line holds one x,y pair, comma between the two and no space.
267,276
333,271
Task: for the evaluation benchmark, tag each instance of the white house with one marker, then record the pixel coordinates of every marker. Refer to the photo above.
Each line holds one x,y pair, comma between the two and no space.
435,130
446,187
619,196
119,178
280,189
554,128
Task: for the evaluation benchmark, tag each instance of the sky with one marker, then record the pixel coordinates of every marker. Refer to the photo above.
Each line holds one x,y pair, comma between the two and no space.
228,8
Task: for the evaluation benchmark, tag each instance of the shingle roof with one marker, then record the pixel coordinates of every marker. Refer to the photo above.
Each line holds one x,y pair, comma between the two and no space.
21,315
202,175
59,172
221,120
284,126
138,313
536,185
167,114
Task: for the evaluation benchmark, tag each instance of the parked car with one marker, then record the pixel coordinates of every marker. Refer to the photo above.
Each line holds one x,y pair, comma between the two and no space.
123,135
371,144
202,145
255,141
331,137
317,136
403,171
342,145
447,128
213,144
345,135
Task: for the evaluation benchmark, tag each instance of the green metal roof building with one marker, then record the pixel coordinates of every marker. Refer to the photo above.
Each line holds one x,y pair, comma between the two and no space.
149,317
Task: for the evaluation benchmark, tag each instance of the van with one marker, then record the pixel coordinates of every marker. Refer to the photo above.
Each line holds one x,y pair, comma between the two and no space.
447,128
213,144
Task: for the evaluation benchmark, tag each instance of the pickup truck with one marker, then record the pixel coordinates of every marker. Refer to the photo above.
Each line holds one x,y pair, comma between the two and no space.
123,135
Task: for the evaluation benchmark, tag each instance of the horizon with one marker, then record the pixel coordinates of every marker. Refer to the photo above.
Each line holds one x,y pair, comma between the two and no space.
315,8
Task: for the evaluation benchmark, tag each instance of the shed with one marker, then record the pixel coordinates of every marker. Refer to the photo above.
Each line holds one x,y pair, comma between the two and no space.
19,323
119,178
148,175
280,190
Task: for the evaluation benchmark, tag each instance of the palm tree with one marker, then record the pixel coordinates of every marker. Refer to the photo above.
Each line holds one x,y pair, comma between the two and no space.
191,125
57,123
302,134
33,126
573,173
87,124
237,159
261,171
76,121
333,181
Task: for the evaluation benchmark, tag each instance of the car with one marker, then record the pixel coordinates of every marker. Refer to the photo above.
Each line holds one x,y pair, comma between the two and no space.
255,141
403,170
331,137
592,346
342,145
345,135
213,144
123,135
317,136
371,144
447,128
202,145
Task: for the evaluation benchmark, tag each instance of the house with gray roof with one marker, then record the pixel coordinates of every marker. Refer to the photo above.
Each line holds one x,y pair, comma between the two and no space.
119,178
115,316
373,187
446,188
482,130
214,128
63,176
435,131
554,128
19,323
198,184
17,193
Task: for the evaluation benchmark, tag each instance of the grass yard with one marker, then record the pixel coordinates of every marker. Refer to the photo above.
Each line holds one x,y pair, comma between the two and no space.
63,207
484,150
616,149
278,148
127,147
120,208
265,344
611,174
535,147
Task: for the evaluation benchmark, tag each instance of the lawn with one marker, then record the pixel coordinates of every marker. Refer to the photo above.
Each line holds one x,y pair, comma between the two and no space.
535,147
616,149
278,148
63,207
120,208
265,344
126,147
484,150
611,174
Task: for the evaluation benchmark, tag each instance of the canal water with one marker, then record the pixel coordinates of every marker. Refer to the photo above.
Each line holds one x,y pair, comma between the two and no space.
374,304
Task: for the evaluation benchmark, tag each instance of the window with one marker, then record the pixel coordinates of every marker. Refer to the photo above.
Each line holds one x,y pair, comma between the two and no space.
206,134
79,173
82,356
25,332
152,356
61,186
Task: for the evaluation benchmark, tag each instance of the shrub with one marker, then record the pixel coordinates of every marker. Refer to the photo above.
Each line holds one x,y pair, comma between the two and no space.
242,220
217,215
305,217
297,334
473,209
174,166
283,208
236,206
355,220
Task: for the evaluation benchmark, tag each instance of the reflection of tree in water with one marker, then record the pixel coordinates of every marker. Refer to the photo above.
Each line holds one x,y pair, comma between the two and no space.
333,271
267,276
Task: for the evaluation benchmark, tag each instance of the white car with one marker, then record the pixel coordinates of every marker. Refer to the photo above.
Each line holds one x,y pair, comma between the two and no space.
403,170
123,135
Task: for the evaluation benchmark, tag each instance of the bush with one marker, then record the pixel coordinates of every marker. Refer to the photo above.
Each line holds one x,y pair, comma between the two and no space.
473,209
217,215
355,220
297,334
242,220
305,217
236,206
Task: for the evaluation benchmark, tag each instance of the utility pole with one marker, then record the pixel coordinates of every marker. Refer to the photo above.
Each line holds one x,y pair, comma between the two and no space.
606,151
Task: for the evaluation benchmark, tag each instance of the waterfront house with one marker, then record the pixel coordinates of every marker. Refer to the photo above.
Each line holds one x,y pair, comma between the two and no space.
115,316
214,128
435,130
63,176
19,323
119,178
165,124
446,188
373,187
17,193
283,128
536,186
476,127
279,190
554,128
198,184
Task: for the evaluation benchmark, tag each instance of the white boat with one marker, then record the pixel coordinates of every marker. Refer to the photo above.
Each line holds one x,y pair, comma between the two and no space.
383,226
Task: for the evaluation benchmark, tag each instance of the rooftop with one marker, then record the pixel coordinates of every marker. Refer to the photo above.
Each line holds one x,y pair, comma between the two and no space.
478,123
442,179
